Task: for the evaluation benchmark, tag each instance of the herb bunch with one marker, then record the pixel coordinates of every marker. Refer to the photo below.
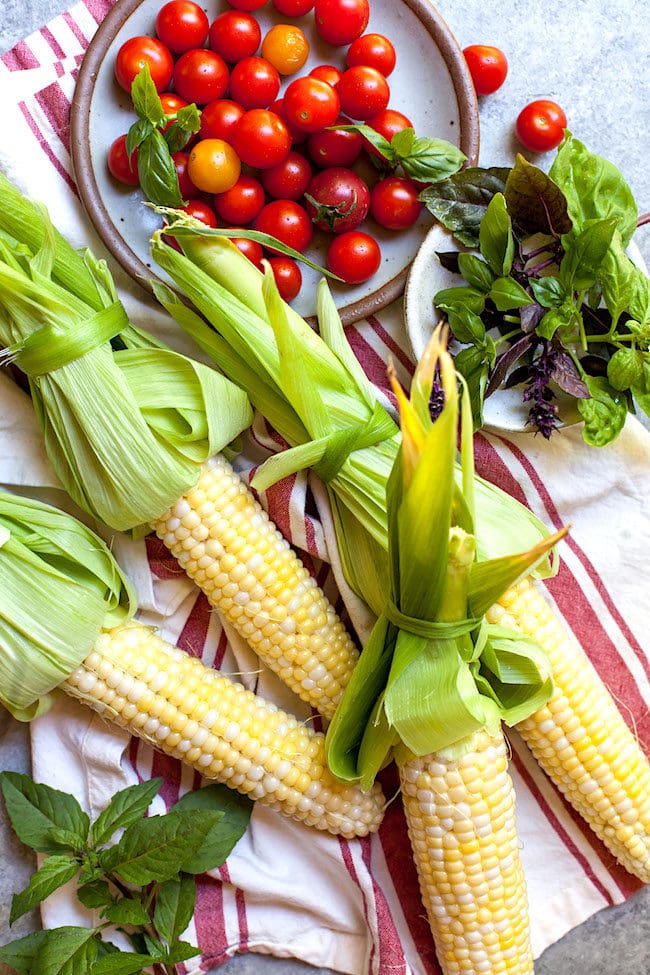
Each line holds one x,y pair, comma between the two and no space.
142,883
551,301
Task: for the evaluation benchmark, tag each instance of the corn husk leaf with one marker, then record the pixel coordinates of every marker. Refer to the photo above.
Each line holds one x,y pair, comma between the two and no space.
59,587
126,422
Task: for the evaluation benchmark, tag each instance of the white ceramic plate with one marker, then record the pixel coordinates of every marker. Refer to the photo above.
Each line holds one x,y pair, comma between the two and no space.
430,84
503,410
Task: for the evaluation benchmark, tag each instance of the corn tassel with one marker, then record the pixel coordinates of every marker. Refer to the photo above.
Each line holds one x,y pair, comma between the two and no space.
226,732
226,543
580,739
461,823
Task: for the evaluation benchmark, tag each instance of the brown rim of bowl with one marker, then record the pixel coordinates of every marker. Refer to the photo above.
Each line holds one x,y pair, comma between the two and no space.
100,217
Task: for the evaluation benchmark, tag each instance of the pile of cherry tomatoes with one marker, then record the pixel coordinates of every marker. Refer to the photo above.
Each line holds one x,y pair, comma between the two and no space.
268,155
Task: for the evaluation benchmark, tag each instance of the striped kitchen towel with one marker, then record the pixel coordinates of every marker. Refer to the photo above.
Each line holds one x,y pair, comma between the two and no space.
352,906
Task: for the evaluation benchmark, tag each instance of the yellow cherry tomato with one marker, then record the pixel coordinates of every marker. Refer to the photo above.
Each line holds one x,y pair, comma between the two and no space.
213,166
286,47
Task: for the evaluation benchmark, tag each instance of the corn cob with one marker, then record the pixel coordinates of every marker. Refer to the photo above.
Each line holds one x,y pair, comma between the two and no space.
461,823
171,700
226,543
579,737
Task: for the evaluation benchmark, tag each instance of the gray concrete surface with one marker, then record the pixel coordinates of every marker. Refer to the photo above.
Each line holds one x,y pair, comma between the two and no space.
594,57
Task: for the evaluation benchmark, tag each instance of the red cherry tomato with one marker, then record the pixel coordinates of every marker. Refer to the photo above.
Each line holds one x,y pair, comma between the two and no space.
242,202
488,67
202,211
123,168
375,50
293,8
250,249
261,139
235,35
337,200
340,22
363,91
200,76
288,276
354,256
254,83
171,102
188,190
327,72
247,4
297,135
540,125
335,147
138,51
311,104
289,179
394,202
182,25
389,122
219,118
287,221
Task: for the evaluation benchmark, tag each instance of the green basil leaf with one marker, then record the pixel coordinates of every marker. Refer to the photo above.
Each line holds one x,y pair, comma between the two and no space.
460,201
53,873
157,173
137,134
126,807
174,908
506,293
95,894
430,160
67,951
476,272
181,951
585,253
594,188
639,304
187,124
35,810
145,98
402,142
535,203
495,236
472,363
236,813
122,963
556,318
379,142
457,299
548,291
625,368
641,388
616,277
155,849
127,910
468,328
604,412
23,952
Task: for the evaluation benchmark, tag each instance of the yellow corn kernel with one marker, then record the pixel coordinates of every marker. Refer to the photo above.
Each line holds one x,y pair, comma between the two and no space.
222,729
226,543
463,833
596,761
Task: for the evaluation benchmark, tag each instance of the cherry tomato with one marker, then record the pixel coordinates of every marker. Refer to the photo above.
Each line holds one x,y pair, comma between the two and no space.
289,179
288,276
188,190
293,8
171,102
488,67
327,72
234,35
254,83
311,104
394,202
389,122
213,165
202,211
123,168
286,47
247,4
138,51
363,92
297,135
200,76
261,139
250,249
340,22
375,50
540,125
219,118
242,202
287,221
354,256
335,147
337,200
182,25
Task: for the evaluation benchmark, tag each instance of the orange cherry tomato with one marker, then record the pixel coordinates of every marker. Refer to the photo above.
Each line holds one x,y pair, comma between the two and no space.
213,165
286,47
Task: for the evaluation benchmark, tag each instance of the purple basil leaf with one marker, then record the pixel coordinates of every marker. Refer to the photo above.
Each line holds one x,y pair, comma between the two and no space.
530,317
506,361
566,376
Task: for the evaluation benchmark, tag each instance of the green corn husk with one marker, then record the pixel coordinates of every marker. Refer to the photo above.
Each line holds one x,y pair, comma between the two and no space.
433,672
312,390
59,588
126,421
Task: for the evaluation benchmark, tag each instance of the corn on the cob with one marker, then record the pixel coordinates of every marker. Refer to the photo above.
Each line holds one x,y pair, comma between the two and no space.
579,737
461,823
226,543
164,696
